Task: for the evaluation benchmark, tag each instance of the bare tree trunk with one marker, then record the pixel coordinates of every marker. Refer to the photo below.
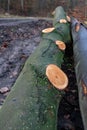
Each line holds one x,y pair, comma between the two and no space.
73,3
8,6
22,4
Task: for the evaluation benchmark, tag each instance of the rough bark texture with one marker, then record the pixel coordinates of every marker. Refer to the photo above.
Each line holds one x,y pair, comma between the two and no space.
80,56
33,102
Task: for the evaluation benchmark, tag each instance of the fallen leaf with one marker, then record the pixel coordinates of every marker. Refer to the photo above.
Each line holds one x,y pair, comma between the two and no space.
4,90
14,73
5,45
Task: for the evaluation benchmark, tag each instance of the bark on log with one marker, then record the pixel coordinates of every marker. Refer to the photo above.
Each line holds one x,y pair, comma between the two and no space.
79,34
32,103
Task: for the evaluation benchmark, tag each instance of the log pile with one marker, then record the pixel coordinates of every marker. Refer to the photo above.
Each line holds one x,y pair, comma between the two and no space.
33,102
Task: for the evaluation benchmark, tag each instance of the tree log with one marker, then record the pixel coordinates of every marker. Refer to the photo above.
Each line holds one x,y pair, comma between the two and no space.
79,34
32,103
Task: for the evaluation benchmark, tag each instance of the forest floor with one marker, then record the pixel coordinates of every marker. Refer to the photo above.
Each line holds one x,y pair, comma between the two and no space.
18,39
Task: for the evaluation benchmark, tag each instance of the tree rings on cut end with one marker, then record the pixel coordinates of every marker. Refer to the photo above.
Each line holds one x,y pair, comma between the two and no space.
68,18
61,45
63,21
56,76
48,30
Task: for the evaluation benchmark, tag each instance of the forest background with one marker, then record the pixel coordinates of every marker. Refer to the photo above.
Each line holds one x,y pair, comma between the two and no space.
44,8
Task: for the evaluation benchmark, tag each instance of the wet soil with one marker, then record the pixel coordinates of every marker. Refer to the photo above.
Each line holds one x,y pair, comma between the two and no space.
69,116
18,39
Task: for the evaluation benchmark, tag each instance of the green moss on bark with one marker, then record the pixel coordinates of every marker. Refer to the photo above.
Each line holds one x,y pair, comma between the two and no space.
33,102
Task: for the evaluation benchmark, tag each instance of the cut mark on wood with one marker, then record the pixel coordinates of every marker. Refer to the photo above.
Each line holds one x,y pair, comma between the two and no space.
84,88
61,45
56,76
77,27
48,30
63,21
84,84
53,13
68,18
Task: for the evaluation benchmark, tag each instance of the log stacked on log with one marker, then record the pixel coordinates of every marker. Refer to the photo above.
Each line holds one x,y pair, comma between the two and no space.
79,34
32,103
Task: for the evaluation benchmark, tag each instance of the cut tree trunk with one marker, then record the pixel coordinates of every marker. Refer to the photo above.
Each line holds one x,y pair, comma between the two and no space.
79,34
33,102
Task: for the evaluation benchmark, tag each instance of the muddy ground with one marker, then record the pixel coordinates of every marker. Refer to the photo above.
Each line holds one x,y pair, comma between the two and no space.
18,39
